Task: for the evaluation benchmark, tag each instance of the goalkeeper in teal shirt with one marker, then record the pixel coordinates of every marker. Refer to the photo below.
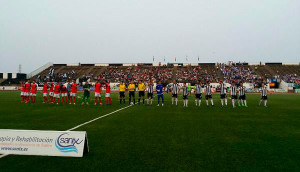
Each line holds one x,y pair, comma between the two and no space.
86,93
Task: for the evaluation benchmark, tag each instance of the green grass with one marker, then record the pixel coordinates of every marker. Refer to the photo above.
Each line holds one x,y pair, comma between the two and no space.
169,138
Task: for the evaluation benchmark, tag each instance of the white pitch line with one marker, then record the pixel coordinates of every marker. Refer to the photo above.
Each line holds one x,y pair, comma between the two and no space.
98,118
4,155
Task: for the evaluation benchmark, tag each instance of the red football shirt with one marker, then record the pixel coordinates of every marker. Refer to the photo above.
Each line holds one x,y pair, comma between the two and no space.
33,88
51,87
64,89
74,88
107,90
45,88
98,88
27,87
23,88
56,89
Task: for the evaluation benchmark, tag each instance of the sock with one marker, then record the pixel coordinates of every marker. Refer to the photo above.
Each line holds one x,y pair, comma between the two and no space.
196,102
63,100
187,102
31,98
222,102
158,100
233,103
124,100
34,99
66,99
225,101
206,102
212,102
95,101
199,102
74,99
147,101
183,103
265,102
109,100
172,100
176,101
245,102
151,101
260,102
143,101
139,100
129,100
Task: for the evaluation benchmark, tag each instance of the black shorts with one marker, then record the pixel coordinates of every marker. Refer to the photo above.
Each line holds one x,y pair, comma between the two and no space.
242,97
198,96
264,97
122,94
185,97
141,93
150,95
208,97
131,94
233,96
223,96
174,95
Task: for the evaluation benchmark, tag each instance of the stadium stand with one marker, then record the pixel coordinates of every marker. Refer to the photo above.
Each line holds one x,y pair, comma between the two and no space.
250,73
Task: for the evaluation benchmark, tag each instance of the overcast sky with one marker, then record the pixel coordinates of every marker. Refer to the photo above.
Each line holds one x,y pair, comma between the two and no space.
34,32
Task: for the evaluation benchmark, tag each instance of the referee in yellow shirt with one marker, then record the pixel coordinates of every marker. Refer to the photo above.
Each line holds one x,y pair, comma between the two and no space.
131,89
122,88
141,88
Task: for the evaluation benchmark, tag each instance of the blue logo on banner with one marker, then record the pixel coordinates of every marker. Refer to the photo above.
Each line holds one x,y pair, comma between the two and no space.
65,144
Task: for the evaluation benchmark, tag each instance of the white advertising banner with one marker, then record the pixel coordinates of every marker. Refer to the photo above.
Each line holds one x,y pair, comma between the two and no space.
47,143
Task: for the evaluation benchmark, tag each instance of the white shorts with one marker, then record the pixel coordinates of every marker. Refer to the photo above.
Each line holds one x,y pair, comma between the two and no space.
73,94
56,96
97,94
22,94
64,94
32,94
45,94
107,94
26,94
51,94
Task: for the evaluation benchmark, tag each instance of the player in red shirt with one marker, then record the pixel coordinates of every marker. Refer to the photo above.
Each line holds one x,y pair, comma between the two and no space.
33,92
98,92
51,94
64,94
107,93
22,92
56,93
45,92
73,92
27,91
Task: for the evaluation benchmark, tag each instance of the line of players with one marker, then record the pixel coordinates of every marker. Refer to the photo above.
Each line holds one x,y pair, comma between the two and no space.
29,90
237,92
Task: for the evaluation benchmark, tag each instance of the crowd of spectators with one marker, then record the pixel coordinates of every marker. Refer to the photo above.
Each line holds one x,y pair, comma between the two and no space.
227,72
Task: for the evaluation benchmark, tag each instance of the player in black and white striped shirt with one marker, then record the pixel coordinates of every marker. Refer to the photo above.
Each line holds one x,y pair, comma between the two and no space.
185,94
208,92
223,95
198,93
242,96
233,92
264,92
175,90
150,92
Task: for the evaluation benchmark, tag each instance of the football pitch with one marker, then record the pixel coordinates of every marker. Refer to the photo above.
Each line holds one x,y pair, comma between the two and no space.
169,138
